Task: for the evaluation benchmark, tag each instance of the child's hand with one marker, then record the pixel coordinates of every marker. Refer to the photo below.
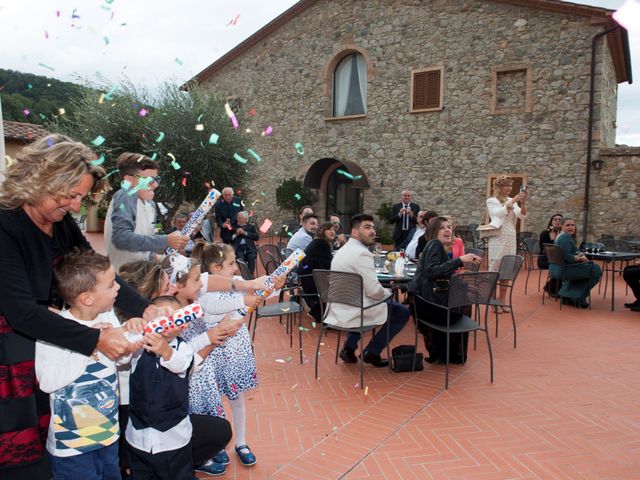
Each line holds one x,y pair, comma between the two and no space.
278,282
156,343
216,335
153,311
135,325
230,325
253,301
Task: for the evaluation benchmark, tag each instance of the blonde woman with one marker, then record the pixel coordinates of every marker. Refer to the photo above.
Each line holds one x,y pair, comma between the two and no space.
504,212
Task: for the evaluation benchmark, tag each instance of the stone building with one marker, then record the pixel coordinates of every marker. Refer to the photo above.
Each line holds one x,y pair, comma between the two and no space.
437,96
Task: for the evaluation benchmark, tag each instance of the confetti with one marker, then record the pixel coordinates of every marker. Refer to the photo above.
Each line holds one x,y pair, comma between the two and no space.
178,61
46,35
231,115
303,329
294,386
280,360
346,174
366,390
26,112
109,1
99,140
247,130
285,309
239,158
254,202
263,194
234,21
43,117
160,137
199,127
254,155
184,181
252,112
154,156
143,112
125,184
335,429
74,14
109,94
298,197
313,324
110,173
175,165
46,66
29,86
200,117
105,40
267,131
266,225
61,111
299,148
357,385
98,161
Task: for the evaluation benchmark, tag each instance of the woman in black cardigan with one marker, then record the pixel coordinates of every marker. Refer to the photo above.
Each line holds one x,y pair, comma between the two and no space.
318,254
431,282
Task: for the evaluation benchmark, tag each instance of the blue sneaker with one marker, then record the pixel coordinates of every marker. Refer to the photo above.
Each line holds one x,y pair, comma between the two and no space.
222,458
248,458
213,469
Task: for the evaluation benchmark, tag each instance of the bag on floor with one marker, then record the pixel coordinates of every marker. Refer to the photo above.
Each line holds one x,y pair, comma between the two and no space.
402,358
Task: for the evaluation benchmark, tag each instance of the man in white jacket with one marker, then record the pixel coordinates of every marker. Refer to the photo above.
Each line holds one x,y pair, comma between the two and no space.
355,257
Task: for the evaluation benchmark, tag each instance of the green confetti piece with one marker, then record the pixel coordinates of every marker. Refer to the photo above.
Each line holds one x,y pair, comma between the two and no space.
109,1
125,184
298,197
175,165
42,116
263,194
122,206
29,86
236,205
213,139
254,154
99,140
313,324
299,148
357,177
110,93
346,174
200,117
46,66
178,61
239,158
98,161
154,156
160,137
106,40
110,173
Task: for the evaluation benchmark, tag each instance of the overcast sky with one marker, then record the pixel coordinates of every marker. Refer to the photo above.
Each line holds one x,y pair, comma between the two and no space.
154,40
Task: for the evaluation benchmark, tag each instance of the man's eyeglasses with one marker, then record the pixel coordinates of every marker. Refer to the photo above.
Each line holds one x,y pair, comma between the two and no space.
155,179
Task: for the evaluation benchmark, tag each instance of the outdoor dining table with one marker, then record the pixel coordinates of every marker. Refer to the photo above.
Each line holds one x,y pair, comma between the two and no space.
634,244
609,259
393,281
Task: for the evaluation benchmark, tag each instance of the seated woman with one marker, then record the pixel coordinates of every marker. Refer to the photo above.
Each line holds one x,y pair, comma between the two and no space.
580,275
431,282
317,255
548,236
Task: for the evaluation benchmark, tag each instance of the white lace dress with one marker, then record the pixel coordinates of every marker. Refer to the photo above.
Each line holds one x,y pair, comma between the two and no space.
505,243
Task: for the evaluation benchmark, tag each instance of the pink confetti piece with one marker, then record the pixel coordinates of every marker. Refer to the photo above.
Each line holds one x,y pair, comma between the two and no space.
267,131
184,181
357,385
253,112
234,21
46,35
266,225
26,112
231,115
143,112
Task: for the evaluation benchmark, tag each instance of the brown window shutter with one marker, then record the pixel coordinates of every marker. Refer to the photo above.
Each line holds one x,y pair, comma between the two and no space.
426,90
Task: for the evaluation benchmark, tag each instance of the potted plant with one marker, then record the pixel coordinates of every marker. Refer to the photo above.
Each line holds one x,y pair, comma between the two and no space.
383,229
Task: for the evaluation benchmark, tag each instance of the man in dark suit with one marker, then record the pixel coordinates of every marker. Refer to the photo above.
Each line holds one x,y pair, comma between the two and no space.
403,216
227,209
243,239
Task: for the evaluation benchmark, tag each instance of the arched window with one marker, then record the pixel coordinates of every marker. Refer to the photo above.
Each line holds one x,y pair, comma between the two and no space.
350,86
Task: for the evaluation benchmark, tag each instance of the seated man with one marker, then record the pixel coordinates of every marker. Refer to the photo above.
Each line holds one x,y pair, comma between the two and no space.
355,257
243,239
341,238
302,238
631,275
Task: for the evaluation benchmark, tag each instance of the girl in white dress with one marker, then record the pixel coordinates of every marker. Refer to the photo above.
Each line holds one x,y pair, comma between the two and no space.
504,212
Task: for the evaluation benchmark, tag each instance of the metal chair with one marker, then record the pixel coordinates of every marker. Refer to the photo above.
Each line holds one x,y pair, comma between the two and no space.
555,256
269,257
473,227
532,254
465,289
343,288
507,274
467,236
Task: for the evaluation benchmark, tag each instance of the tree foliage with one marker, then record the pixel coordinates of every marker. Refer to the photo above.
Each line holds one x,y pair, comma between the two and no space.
174,129
41,96
292,195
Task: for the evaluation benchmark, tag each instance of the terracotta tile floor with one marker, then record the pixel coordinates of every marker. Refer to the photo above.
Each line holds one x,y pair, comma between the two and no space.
564,404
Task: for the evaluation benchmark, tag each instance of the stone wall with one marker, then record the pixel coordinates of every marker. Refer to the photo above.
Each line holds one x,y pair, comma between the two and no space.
615,193
444,156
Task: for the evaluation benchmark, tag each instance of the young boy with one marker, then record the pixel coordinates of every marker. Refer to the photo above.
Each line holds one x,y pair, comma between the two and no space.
83,430
159,431
129,229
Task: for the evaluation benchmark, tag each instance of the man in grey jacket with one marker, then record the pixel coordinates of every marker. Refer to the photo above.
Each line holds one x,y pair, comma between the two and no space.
129,229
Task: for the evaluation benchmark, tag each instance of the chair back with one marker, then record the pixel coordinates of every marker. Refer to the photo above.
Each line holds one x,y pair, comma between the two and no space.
476,251
284,253
531,246
612,245
339,287
554,254
269,257
509,267
471,288
467,236
244,270
472,267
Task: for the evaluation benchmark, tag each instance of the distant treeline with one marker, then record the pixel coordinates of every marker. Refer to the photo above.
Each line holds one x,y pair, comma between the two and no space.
34,98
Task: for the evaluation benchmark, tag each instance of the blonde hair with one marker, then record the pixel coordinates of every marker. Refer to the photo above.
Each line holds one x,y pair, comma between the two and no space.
144,276
50,166
498,183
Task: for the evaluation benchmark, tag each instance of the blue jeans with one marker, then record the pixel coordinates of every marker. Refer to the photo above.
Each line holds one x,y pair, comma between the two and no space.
95,465
398,316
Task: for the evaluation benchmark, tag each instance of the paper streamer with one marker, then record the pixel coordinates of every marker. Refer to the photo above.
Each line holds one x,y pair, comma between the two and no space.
254,155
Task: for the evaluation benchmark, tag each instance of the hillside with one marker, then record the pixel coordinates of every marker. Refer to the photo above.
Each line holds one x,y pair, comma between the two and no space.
35,98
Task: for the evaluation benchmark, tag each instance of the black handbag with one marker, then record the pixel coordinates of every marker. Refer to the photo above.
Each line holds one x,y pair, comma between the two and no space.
402,359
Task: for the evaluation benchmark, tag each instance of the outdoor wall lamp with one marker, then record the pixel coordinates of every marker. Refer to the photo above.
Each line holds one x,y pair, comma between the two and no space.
597,164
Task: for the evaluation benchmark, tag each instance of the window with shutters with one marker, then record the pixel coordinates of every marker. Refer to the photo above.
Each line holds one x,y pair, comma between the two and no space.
426,89
511,89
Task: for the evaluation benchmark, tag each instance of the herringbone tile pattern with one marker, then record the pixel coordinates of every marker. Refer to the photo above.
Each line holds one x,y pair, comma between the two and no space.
564,405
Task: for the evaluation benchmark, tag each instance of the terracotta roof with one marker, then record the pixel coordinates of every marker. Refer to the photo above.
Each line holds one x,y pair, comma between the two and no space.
22,132
618,40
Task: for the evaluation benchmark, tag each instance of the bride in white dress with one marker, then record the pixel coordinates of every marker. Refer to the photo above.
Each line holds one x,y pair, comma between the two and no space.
504,212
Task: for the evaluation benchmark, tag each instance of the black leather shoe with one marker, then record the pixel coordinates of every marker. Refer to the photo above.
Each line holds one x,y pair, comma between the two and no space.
347,355
632,304
375,360
636,308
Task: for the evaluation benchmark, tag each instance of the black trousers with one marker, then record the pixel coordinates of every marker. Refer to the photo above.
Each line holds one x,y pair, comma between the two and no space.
210,435
248,256
631,275
171,465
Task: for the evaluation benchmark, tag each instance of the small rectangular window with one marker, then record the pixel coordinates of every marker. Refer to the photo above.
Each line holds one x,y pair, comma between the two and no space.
511,89
426,89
